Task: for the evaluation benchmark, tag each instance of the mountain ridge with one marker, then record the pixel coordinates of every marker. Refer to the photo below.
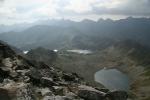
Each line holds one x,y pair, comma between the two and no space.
130,28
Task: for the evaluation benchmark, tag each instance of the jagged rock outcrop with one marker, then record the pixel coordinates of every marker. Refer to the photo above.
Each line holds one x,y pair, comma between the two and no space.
21,79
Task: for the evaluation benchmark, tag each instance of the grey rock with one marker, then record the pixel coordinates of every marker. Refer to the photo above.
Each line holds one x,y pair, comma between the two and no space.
117,95
60,90
70,77
60,98
25,93
6,51
16,91
102,89
44,92
4,94
89,93
53,98
7,62
48,82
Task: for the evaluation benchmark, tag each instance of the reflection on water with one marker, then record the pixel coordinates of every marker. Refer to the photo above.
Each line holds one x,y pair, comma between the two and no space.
112,79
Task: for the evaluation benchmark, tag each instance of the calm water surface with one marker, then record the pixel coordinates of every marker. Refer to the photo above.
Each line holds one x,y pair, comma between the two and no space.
113,79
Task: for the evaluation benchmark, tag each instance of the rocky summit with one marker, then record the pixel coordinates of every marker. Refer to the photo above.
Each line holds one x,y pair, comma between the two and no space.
21,79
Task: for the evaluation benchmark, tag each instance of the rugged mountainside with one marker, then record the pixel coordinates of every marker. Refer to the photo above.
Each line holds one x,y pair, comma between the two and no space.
127,56
86,34
122,44
21,79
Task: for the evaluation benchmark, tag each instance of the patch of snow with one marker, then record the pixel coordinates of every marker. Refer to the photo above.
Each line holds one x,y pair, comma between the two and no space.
25,52
80,51
55,50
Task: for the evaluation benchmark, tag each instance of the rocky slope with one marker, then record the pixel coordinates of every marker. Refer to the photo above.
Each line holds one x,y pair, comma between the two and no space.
127,56
21,79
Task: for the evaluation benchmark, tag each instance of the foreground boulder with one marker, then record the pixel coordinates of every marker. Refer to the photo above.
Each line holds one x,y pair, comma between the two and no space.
117,95
16,91
89,93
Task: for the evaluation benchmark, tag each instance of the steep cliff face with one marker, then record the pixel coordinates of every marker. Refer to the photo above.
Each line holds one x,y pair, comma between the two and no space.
21,79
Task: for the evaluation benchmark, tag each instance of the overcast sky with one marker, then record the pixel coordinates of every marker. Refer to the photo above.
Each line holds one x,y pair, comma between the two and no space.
16,11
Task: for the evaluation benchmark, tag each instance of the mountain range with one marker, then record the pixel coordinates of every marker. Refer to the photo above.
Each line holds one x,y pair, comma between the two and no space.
87,34
121,44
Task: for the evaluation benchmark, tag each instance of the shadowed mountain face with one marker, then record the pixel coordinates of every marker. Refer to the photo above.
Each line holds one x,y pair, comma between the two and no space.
86,34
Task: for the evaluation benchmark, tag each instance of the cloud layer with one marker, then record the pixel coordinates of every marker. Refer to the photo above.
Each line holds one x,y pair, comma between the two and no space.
16,11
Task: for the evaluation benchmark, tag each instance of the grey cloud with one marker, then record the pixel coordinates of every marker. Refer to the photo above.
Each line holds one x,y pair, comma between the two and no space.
128,8
28,11
1,1
131,7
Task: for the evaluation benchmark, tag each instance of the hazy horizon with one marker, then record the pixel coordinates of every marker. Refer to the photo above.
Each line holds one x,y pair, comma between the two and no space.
20,11
63,19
